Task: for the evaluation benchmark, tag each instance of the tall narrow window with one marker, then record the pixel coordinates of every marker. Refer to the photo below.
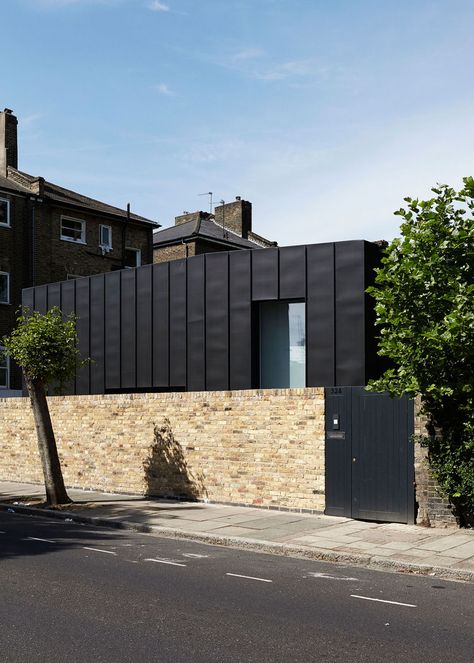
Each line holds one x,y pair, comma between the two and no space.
4,371
282,345
4,288
4,212
105,241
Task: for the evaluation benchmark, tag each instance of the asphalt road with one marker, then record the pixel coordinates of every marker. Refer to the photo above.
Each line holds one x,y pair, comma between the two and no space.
76,593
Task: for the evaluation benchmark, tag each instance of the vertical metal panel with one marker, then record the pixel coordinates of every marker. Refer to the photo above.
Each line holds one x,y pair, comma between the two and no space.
293,272
160,321
28,298
196,325
68,305
264,274
320,316
350,313
338,452
128,328
144,326
54,295
97,340
41,299
217,321
83,329
240,320
112,330
178,323
374,365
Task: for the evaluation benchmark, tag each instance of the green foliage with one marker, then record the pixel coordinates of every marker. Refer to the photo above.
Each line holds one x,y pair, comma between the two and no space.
424,296
45,346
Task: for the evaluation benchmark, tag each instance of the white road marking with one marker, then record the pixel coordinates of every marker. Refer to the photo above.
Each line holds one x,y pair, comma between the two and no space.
163,561
109,552
237,575
368,598
312,574
1,532
36,538
194,555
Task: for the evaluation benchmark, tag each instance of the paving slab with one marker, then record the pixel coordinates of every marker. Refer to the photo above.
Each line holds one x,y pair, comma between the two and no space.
447,553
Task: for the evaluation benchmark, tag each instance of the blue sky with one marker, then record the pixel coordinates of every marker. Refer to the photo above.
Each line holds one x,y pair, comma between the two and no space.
323,113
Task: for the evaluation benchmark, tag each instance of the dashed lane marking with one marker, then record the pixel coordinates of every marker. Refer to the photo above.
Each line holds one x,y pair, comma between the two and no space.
37,538
326,576
163,561
108,552
237,575
369,598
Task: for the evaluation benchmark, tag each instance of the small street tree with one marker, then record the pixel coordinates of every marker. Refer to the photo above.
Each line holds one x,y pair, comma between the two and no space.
45,346
424,295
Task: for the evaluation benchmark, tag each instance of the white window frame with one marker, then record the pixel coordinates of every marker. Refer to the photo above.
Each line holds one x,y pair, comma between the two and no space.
102,244
7,385
7,274
70,239
6,224
138,253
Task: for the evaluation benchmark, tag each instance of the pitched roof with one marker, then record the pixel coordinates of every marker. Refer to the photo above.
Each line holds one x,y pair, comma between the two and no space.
5,183
66,196
60,195
203,228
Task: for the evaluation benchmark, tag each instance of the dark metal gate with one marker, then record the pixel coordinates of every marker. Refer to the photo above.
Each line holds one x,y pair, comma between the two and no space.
369,455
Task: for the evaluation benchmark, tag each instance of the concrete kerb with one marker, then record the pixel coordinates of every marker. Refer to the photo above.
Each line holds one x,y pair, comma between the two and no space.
254,545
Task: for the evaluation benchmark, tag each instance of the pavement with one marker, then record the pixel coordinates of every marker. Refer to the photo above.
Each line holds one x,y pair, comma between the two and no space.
445,553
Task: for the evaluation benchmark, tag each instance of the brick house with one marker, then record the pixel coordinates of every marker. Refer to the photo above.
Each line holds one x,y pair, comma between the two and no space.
195,233
48,234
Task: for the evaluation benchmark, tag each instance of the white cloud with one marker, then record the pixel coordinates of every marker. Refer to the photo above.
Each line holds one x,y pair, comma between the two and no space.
248,54
157,6
162,88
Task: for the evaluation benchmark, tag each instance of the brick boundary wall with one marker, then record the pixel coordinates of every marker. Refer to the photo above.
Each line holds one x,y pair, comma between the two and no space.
258,447
434,510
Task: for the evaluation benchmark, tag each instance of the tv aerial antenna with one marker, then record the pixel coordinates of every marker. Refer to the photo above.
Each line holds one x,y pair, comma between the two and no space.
208,193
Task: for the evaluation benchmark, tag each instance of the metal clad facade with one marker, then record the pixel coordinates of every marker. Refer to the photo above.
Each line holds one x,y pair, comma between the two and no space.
292,272
161,327
350,313
320,316
112,331
144,327
217,321
97,326
194,323
83,330
196,354
240,320
265,274
177,321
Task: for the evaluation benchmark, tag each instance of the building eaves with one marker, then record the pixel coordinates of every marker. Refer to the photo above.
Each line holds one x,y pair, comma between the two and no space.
20,181
60,195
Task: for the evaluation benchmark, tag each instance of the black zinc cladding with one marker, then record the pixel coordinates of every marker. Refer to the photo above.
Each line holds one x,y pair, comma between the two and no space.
193,324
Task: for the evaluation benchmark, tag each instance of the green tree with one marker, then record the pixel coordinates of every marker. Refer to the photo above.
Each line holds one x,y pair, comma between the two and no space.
424,295
45,346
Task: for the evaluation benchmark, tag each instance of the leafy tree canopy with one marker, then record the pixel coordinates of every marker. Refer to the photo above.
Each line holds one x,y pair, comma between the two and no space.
45,346
424,295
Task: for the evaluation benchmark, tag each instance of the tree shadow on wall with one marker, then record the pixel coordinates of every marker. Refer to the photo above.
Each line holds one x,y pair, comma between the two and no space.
166,471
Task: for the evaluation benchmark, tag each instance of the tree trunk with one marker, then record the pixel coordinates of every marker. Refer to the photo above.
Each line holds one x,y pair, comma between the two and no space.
53,478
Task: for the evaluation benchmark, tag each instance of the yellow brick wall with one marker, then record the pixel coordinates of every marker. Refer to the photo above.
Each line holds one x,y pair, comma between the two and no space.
260,447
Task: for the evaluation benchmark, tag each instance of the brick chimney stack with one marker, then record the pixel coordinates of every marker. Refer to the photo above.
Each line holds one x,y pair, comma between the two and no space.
8,141
235,216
